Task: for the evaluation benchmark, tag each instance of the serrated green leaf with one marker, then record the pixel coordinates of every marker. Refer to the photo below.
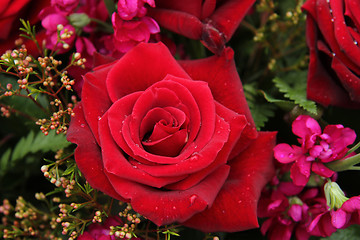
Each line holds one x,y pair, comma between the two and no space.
4,161
293,86
23,147
39,143
283,104
260,110
350,233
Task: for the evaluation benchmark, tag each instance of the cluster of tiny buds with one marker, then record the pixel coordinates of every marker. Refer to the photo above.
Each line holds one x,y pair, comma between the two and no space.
97,217
48,63
63,212
64,35
22,211
20,59
55,121
6,207
68,185
5,112
78,60
67,82
9,91
126,230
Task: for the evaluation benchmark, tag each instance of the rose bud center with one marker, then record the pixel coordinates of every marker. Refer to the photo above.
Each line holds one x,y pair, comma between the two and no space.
164,131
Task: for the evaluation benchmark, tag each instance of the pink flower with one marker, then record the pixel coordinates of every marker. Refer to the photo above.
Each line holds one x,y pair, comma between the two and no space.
102,231
342,212
127,34
128,9
51,19
289,210
65,5
316,148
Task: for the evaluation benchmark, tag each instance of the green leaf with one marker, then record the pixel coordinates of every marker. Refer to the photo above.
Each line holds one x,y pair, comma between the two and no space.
283,104
33,143
261,111
4,161
293,85
350,233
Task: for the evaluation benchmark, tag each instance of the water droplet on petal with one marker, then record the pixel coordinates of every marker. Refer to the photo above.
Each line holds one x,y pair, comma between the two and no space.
82,125
99,118
192,199
156,208
174,207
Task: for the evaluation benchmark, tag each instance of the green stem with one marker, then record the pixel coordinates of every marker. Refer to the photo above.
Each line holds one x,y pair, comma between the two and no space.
353,148
354,168
344,164
107,27
110,6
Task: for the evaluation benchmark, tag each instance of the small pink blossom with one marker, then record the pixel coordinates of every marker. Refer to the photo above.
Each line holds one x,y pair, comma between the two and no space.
128,9
51,19
65,5
317,148
289,210
98,231
128,34
341,213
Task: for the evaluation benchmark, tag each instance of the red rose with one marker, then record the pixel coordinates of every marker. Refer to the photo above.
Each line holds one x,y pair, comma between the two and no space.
10,13
333,38
213,22
176,140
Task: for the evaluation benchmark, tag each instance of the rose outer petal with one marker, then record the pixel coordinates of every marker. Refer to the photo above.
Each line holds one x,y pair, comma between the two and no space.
125,78
88,153
93,89
235,206
165,207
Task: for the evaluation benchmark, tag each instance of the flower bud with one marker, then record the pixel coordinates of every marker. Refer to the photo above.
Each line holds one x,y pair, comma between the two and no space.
335,197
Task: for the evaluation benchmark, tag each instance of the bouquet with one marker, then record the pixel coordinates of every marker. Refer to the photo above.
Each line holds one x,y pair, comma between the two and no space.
154,119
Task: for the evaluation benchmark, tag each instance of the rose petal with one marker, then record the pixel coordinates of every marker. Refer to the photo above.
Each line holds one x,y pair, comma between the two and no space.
225,87
126,70
116,163
164,207
88,153
235,207
93,89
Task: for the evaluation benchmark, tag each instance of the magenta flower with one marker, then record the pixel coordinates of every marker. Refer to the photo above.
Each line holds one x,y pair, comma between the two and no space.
128,9
341,213
316,148
127,34
51,20
65,5
98,231
289,210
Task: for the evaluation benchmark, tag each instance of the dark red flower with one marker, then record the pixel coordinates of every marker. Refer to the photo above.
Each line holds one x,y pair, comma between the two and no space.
10,13
176,140
333,38
213,22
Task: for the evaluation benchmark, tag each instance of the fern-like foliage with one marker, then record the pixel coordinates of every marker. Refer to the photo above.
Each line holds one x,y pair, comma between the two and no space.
31,144
293,86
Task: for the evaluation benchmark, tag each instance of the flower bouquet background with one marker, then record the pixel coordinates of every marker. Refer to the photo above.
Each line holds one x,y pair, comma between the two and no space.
179,119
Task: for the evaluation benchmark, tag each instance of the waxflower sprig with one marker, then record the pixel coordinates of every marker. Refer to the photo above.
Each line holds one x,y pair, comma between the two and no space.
43,76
